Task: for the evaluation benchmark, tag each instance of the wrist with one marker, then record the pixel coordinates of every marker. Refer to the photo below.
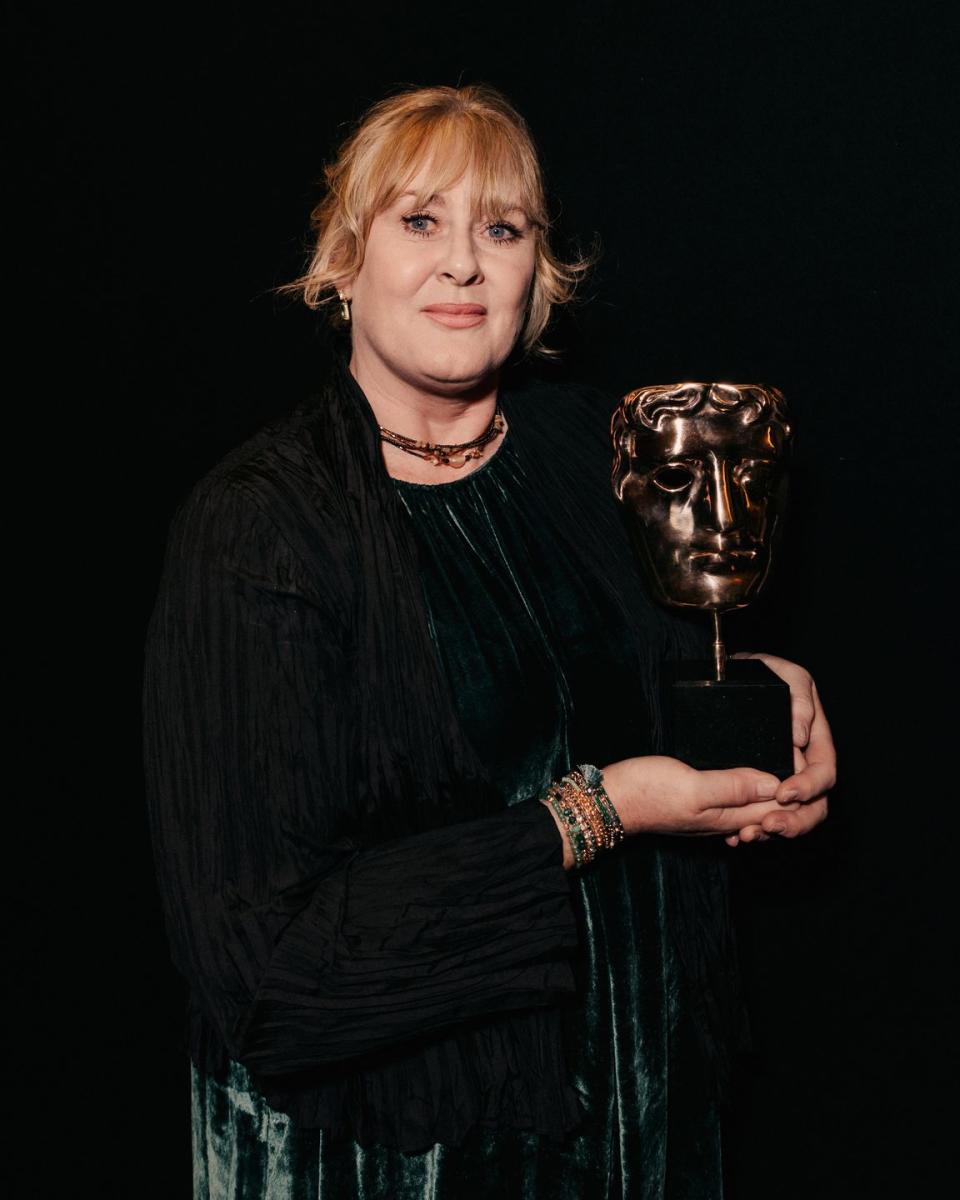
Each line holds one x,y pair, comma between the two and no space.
584,813
615,785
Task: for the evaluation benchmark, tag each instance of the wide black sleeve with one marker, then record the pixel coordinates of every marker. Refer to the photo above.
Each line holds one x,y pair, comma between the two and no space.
303,947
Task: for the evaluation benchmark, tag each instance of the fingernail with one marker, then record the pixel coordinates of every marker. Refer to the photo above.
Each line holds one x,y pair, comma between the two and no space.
801,735
778,828
789,797
767,789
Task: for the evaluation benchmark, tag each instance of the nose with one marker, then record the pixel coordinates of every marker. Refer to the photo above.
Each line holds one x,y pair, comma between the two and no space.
459,263
720,495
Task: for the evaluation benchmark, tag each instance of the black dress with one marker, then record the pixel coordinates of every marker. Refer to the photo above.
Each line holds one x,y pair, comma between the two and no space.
543,664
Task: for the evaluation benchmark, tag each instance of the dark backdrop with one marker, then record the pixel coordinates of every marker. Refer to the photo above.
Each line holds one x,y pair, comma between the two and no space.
773,185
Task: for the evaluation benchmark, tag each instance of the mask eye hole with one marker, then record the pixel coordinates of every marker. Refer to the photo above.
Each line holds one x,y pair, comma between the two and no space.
672,478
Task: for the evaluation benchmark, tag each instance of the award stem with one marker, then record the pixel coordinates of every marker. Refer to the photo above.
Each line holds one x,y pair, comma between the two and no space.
719,650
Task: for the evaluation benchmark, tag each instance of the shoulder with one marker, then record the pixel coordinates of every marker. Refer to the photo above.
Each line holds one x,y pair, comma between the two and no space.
266,517
281,455
275,480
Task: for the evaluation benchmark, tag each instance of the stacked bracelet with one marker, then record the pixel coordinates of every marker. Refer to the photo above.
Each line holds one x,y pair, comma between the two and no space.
581,803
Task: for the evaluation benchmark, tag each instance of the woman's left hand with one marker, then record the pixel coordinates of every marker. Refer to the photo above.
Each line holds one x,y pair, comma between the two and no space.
814,760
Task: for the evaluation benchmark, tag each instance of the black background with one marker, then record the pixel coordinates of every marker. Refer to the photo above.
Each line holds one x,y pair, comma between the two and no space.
774,189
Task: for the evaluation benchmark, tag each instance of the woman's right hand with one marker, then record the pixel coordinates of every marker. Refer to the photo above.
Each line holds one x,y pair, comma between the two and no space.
656,794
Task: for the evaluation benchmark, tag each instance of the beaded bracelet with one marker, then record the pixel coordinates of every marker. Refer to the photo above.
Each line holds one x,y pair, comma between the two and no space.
590,781
581,803
569,817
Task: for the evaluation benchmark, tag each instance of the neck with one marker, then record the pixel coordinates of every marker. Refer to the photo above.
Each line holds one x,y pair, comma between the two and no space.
450,413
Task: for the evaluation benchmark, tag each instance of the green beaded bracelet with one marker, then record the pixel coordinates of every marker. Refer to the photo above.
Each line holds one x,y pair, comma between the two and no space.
588,781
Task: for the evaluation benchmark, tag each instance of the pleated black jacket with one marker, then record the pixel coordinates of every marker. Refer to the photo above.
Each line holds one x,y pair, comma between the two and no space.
359,918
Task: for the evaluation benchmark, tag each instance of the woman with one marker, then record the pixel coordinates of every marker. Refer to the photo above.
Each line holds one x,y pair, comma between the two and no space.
425,956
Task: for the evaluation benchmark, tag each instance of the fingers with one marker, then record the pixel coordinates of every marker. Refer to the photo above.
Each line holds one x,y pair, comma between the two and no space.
815,780
803,709
803,796
748,834
821,749
794,822
736,787
787,823
736,821
817,773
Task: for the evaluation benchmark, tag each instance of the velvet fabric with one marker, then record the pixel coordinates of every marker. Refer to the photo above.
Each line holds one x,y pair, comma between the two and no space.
446,1012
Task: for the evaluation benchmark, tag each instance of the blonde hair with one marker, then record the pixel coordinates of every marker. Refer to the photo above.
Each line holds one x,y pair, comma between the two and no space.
453,130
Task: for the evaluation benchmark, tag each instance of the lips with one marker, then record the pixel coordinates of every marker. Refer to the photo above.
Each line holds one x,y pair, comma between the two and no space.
456,316
723,562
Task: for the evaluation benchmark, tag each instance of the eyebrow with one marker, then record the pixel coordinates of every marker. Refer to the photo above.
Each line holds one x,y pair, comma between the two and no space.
438,199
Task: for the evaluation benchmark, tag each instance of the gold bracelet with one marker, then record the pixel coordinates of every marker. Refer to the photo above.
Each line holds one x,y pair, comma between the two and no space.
582,806
590,781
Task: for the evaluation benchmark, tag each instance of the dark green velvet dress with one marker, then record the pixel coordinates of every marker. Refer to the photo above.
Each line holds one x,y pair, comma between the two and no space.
534,656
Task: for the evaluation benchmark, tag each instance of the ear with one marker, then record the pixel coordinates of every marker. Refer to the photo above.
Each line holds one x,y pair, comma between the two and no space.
343,285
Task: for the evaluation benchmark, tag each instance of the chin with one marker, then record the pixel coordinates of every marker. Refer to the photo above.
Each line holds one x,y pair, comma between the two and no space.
733,591
460,370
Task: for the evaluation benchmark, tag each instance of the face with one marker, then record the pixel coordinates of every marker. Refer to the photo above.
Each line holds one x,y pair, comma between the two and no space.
441,296
704,491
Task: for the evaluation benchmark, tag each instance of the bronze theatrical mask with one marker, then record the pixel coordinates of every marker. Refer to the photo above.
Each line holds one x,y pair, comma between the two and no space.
700,468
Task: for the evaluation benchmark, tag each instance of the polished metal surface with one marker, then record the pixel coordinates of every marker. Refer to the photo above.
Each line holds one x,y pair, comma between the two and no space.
700,468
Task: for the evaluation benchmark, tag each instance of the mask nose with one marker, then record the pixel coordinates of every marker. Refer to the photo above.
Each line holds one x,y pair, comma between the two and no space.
721,499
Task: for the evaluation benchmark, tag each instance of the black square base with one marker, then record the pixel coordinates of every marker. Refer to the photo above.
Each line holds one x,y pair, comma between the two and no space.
743,721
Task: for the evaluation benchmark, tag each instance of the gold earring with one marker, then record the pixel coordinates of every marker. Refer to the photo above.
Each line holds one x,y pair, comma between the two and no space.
344,307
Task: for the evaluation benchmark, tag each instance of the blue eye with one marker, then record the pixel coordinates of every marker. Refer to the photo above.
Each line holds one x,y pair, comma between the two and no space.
502,231
419,223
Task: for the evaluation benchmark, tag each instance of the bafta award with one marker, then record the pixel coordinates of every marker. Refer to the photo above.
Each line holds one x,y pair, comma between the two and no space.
700,470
